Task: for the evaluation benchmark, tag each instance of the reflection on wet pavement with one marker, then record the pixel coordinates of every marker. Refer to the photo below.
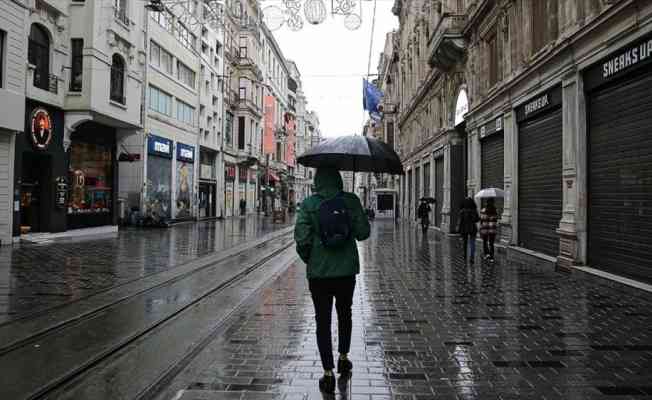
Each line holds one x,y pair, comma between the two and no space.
37,277
426,326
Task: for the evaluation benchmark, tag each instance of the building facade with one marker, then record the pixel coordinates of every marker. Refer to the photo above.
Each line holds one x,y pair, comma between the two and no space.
547,100
83,89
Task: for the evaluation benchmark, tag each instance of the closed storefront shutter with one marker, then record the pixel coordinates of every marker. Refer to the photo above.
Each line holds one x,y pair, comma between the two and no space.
620,179
540,183
6,200
493,161
439,189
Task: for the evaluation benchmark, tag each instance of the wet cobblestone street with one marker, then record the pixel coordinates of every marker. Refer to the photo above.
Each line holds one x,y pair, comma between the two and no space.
426,326
39,276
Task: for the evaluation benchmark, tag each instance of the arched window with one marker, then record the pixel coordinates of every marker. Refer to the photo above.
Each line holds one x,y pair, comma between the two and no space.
38,54
117,93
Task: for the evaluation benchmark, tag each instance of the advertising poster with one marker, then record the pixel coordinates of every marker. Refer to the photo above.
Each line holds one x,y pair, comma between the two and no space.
290,127
268,125
158,202
229,182
185,180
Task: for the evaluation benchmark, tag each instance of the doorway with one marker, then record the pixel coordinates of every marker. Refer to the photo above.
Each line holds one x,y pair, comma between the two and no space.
35,192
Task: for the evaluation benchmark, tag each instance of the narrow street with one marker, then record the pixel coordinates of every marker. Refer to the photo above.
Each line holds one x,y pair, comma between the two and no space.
428,327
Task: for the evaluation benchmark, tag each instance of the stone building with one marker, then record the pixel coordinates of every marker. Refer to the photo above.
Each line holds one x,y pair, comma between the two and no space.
557,115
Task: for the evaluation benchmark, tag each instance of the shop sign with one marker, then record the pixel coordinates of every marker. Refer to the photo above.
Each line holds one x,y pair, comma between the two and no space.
61,192
185,153
539,104
493,126
621,62
159,146
41,128
242,174
461,107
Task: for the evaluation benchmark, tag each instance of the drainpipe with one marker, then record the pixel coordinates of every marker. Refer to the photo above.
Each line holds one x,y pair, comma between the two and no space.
143,112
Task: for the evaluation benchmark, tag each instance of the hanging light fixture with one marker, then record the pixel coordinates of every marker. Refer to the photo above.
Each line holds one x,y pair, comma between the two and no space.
315,11
273,17
352,22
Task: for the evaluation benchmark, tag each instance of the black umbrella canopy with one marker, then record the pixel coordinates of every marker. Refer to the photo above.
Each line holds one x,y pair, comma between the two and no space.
353,153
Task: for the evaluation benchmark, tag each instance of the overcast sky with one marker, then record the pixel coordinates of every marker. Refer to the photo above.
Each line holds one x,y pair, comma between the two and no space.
333,61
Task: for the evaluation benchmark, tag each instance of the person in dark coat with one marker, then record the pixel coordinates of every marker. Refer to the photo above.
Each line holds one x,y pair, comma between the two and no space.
488,229
468,227
331,271
423,214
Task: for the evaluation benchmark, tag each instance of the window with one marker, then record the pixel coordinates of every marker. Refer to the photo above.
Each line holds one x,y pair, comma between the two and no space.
494,59
185,112
228,129
185,75
544,23
243,47
160,101
390,134
242,92
2,56
90,177
160,58
279,152
76,64
164,19
241,132
117,92
120,8
38,54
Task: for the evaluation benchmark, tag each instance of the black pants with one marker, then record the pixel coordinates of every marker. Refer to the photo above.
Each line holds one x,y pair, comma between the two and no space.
323,291
488,244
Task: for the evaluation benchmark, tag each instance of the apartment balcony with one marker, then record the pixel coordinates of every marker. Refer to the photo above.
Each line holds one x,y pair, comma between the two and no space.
247,104
248,63
447,45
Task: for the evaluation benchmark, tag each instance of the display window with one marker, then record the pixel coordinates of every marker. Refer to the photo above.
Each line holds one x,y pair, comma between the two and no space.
89,178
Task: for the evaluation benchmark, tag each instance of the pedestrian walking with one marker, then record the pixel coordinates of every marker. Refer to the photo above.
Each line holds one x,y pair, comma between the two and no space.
328,225
488,229
468,227
423,214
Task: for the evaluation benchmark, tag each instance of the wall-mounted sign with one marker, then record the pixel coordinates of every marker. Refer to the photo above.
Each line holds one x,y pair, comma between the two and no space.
539,104
461,107
41,128
493,126
60,192
185,153
159,146
499,123
621,62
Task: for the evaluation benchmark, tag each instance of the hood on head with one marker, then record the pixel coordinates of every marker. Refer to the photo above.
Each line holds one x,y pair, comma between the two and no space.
328,182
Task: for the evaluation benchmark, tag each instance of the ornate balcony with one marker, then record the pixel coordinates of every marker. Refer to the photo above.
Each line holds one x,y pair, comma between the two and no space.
447,44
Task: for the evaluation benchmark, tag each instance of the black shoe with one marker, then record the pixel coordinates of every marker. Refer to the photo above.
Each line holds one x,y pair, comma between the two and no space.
327,384
344,366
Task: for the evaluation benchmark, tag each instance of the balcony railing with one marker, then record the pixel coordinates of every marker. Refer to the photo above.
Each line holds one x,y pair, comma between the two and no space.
46,81
121,15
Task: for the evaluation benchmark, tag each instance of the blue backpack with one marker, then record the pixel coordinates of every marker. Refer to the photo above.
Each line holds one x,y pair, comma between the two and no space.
334,222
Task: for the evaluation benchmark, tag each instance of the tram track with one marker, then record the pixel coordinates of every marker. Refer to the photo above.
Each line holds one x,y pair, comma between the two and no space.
74,347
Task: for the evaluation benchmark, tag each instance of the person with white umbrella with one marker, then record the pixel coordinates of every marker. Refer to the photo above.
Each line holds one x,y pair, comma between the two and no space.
489,220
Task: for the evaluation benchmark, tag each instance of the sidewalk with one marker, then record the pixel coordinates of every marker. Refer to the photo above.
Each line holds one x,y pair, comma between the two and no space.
428,327
39,276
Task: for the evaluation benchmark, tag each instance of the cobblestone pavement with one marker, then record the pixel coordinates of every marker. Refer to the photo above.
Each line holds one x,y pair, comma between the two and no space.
39,276
428,327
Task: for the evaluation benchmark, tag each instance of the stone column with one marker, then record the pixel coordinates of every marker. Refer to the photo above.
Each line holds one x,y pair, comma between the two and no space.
446,206
509,131
573,223
471,161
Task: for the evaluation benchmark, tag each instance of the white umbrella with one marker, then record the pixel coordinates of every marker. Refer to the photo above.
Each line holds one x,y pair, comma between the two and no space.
490,193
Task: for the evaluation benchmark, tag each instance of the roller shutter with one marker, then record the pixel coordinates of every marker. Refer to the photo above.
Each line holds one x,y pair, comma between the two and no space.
620,179
493,163
439,189
540,183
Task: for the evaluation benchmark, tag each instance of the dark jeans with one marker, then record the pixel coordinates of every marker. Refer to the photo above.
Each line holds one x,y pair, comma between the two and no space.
469,246
323,291
488,244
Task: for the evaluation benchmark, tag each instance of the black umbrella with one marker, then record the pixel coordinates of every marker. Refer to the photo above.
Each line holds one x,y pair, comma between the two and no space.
353,153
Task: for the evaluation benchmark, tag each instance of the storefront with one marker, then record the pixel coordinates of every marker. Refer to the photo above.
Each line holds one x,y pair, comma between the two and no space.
185,167
40,161
229,189
243,177
92,180
439,187
207,185
540,172
619,100
492,154
158,198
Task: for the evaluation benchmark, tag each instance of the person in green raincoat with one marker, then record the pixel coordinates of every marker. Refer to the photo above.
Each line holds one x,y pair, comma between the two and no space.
331,271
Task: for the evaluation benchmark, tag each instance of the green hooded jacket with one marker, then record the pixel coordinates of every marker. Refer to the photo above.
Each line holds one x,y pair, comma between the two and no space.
323,262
